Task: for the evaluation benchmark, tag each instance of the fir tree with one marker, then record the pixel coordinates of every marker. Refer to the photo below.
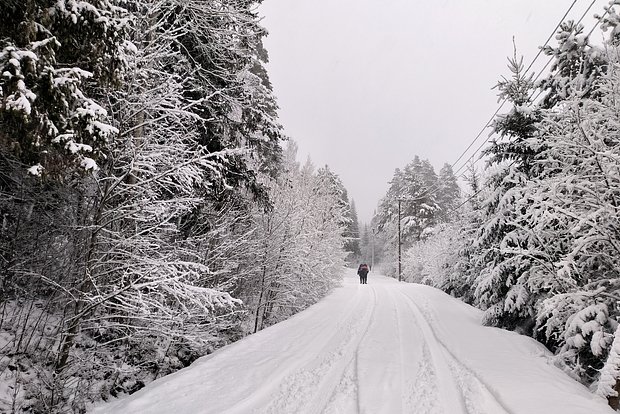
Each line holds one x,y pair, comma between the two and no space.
352,233
448,193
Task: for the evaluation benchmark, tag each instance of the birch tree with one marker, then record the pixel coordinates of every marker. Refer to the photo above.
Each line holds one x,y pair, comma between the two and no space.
301,242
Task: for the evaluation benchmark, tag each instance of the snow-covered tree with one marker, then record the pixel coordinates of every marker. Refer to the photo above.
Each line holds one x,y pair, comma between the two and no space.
416,187
133,137
577,62
448,192
547,241
55,58
431,261
609,383
353,234
575,200
300,241
499,288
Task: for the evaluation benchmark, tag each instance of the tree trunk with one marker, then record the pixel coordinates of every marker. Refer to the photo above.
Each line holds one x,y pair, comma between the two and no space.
67,342
614,402
260,299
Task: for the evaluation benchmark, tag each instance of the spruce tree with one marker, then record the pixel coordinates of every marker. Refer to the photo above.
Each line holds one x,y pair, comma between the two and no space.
448,193
352,233
419,209
499,288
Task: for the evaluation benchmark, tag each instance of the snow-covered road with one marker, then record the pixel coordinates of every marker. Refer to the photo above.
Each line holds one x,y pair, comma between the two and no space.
384,347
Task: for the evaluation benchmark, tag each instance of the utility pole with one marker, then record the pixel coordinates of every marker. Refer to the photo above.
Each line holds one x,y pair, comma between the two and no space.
372,242
372,249
399,260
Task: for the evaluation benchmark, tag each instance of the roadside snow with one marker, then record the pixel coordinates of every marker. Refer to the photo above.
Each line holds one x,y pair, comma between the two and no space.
384,347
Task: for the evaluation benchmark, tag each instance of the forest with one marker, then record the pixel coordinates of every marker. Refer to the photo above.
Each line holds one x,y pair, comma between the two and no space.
152,209
535,239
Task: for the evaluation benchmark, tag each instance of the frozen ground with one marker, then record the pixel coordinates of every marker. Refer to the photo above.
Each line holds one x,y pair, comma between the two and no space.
384,347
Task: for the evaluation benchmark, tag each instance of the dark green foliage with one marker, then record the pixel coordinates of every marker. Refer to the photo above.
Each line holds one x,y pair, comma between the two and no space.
135,138
54,60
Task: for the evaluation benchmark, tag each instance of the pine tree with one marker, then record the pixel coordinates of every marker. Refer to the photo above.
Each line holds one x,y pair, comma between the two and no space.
577,63
501,287
52,120
352,232
548,232
448,193
419,209
579,195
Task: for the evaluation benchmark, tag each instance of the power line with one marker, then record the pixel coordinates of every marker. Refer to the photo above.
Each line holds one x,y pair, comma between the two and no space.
535,79
541,91
433,190
598,21
481,131
552,33
504,100
468,199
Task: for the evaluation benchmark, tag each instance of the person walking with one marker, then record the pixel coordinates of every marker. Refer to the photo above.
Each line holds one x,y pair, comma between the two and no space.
362,272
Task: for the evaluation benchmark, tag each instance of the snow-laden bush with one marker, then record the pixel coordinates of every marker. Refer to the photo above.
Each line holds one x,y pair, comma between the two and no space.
300,253
609,382
432,260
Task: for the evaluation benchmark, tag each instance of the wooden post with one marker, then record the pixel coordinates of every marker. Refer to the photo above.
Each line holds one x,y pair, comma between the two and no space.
399,255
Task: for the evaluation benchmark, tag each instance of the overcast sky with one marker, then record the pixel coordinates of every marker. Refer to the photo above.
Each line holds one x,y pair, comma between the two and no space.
364,85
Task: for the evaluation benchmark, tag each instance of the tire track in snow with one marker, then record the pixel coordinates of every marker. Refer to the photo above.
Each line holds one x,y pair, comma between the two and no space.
475,396
345,395
425,397
436,390
312,385
388,357
330,385
379,369
356,355
405,387
418,378
468,376
297,348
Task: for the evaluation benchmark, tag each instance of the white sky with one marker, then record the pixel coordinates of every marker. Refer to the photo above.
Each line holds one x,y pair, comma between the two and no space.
364,85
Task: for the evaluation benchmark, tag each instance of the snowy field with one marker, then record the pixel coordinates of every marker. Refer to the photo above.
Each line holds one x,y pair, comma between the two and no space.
384,347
